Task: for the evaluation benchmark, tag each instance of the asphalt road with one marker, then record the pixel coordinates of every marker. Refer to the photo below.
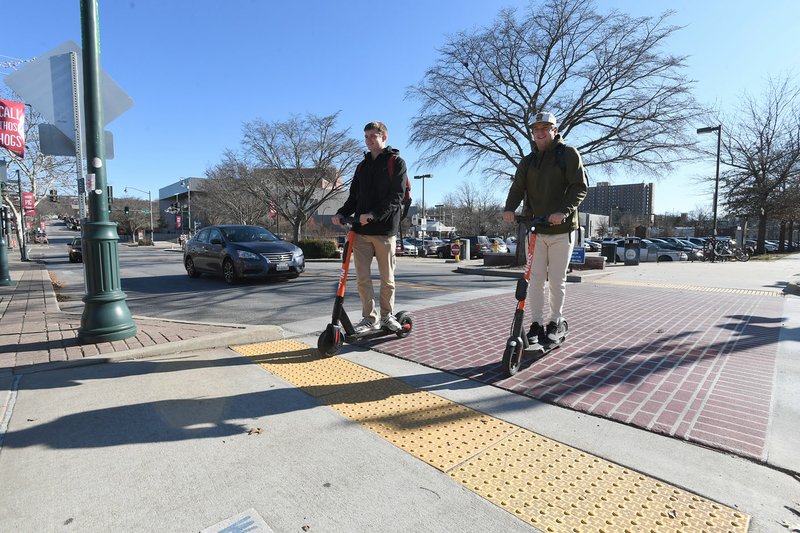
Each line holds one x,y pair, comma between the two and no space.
156,285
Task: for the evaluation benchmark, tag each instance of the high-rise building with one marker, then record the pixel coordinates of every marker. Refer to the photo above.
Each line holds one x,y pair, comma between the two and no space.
633,199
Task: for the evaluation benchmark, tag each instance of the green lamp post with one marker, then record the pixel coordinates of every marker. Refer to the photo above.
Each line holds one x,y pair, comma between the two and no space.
106,316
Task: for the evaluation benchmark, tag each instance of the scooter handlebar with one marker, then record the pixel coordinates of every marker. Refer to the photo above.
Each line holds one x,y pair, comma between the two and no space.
532,222
348,221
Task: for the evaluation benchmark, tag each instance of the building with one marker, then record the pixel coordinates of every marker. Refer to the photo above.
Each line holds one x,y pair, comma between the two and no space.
177,194
631,199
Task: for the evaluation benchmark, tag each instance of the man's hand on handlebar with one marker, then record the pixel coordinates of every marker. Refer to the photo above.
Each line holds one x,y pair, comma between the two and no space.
557,218
366,219
336,219
508,216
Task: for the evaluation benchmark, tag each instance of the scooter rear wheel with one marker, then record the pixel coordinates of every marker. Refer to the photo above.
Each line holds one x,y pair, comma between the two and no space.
512,358
330,341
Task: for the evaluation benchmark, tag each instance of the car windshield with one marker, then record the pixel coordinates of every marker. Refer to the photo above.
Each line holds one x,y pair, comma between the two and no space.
248,234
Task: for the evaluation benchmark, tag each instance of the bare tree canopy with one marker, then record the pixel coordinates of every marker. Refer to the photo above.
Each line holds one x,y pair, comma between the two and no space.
761,148
618,97
297,164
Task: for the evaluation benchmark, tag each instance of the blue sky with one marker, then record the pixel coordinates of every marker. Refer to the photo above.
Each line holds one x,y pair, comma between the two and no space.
198,69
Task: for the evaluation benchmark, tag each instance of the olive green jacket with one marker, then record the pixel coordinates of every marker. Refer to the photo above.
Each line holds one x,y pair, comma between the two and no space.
546,189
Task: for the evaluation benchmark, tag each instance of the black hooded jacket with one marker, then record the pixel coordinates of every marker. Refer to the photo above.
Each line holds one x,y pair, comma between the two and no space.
374,191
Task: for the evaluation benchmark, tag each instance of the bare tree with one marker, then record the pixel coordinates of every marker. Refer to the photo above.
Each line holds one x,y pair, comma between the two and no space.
298,164
761,148
226,198
39,173
619,98
475,209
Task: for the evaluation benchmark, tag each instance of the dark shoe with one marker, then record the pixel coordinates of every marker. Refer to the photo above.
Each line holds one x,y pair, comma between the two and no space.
535,334
556,332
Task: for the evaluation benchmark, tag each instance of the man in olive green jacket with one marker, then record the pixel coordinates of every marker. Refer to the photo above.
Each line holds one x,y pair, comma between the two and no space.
552,182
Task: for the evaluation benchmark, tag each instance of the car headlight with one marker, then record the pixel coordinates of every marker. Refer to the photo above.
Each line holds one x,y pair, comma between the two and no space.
244,254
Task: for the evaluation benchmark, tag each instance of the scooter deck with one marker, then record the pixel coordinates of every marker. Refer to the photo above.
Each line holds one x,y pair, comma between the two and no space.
539,350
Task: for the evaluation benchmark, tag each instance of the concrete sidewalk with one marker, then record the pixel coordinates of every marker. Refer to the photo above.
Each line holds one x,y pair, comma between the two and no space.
180,436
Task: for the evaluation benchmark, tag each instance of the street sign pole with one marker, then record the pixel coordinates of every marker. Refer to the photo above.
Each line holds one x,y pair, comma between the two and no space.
106,316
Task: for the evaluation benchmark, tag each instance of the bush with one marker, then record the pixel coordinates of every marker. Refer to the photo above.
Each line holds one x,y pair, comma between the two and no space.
318,249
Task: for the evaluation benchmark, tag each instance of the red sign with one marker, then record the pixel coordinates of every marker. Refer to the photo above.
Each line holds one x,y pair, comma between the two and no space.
28,204
178,222
455,249
12,127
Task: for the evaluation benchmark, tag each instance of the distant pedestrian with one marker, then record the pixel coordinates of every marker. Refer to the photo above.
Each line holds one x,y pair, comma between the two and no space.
551,180
375,200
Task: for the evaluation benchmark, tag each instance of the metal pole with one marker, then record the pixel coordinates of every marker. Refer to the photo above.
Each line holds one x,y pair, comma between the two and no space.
189,204
106,316
23,246
716,183
150,207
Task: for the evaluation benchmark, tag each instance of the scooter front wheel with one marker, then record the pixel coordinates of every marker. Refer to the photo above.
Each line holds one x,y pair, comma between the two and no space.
512,356
406,323
330,341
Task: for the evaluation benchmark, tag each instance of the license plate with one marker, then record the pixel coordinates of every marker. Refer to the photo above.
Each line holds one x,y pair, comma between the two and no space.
282,266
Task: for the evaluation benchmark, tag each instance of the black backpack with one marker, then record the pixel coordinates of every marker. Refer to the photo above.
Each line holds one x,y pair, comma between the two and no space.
406,203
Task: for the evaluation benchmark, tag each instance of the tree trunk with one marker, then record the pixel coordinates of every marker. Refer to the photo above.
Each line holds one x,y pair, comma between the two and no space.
762,233
782,237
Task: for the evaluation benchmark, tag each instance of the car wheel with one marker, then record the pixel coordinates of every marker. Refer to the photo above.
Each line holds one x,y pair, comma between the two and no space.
440,254
190,270
228,272
664,258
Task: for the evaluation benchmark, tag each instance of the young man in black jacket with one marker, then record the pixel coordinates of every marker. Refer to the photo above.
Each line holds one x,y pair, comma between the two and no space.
551,180
375,198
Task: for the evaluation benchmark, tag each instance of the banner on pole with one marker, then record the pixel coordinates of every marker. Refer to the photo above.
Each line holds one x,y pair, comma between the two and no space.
12,127
28,204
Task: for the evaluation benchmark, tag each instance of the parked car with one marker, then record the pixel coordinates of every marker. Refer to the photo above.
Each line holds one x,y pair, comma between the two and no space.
502,248
443,251
413,247
240,251
431,245
650,251
591,246
511,244
75,251
478,245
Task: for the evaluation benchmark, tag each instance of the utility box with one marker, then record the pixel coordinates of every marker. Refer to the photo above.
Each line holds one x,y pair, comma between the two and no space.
609,251
632,249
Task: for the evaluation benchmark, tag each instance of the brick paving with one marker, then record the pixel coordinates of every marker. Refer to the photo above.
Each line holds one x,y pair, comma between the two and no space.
33,330
680,362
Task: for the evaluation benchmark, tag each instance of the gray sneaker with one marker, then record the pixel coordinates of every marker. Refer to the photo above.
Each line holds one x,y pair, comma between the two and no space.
367,324
390,322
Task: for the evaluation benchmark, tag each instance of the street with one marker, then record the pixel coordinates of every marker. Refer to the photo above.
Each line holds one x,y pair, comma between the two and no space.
156,285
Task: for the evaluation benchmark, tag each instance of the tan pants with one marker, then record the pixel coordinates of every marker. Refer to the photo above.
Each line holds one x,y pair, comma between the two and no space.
551,257
365,247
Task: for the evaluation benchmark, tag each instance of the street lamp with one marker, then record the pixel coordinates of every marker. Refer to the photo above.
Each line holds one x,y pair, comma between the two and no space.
423,177
185,183
718,131
150,208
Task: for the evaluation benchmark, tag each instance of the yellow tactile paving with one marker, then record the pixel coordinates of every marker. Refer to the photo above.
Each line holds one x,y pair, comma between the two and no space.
545,483
751,292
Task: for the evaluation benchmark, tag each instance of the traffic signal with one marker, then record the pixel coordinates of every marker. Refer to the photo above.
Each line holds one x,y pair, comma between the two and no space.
53,195
127,210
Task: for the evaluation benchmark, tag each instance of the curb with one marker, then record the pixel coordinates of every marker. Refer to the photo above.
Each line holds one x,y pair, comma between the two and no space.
248,335
508,273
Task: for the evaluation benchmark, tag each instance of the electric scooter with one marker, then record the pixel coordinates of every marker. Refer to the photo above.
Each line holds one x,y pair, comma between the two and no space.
517,343
341,329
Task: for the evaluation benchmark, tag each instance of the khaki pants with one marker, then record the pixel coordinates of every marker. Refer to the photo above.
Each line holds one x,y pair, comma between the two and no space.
551,257
365,247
